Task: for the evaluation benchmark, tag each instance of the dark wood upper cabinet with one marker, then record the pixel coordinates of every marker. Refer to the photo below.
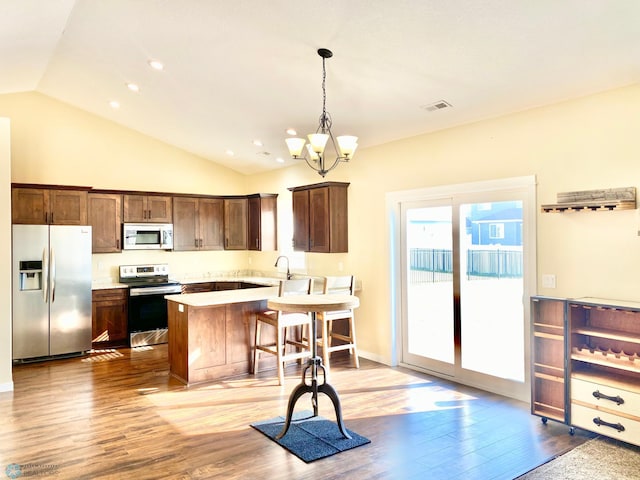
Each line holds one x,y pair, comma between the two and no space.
198,223
147,209
262,218
49,206
300,200
235,223
105,218
320,217
201,222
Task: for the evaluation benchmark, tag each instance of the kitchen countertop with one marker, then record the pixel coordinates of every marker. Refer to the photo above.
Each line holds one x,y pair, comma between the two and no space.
104,285
318,283
223,297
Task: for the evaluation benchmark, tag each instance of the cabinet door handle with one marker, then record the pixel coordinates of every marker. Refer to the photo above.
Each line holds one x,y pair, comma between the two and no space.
195,242
200,243
118,244
46,218
617,399
599,422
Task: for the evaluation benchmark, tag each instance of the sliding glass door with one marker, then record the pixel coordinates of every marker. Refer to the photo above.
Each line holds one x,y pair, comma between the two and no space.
463,287
428,252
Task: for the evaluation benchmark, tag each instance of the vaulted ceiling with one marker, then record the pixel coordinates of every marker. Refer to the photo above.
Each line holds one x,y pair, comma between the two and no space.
236,71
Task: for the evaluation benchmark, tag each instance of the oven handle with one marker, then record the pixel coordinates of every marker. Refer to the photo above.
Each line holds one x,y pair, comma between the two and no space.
142,292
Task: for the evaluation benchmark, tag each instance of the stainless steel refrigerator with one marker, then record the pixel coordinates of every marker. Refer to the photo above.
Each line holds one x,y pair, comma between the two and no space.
51,277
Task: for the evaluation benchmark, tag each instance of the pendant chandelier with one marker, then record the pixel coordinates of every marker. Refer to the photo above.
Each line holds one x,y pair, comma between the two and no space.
315,153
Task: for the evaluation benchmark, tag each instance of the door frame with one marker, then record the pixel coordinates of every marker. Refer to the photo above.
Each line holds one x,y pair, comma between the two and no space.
394,231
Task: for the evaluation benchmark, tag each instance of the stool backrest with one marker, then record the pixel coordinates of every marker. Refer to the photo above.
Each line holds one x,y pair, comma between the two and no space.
299,286
341,284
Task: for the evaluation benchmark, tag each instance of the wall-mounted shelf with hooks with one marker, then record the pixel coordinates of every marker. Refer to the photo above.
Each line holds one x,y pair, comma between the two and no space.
594,200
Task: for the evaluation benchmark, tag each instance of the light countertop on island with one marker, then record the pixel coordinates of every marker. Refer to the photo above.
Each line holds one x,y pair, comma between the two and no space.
224,297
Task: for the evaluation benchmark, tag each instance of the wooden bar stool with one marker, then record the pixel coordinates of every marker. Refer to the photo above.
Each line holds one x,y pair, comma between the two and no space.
337,285
281,323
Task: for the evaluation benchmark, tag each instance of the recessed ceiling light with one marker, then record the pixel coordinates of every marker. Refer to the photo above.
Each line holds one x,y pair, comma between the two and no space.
133,87
291,131
257,143
229,152
114,104
156,65
280,160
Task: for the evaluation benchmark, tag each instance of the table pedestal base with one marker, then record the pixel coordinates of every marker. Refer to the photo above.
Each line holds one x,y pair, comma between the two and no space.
314,363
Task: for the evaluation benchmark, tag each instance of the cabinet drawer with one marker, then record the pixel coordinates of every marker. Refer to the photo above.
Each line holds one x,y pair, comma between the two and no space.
584,417
583,392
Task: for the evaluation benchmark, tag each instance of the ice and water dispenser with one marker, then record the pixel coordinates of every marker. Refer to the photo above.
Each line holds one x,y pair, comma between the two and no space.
31,275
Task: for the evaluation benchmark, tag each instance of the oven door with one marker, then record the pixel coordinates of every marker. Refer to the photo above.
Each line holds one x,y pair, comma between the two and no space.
147,319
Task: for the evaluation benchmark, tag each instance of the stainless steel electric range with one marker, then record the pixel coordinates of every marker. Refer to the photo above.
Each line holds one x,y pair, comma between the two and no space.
148,284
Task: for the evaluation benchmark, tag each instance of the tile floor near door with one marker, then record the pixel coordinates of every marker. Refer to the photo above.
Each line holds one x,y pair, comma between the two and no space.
118,414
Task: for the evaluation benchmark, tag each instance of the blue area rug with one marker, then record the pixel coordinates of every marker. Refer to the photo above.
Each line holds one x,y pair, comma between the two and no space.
310,438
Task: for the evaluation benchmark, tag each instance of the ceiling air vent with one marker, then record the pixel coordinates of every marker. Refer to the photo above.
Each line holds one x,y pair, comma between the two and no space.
439,105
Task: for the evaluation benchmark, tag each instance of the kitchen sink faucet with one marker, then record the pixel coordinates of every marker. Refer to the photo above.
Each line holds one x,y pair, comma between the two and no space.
287,259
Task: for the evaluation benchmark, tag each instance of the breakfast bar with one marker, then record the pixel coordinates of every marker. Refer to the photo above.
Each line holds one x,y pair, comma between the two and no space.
211,334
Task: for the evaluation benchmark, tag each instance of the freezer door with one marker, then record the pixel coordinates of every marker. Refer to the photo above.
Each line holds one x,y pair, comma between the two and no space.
70,289
30,310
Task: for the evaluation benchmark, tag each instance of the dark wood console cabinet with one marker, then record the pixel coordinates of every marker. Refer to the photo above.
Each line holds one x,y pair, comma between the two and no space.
586,364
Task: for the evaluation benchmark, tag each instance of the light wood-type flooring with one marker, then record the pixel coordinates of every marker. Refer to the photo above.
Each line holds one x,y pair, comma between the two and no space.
117,414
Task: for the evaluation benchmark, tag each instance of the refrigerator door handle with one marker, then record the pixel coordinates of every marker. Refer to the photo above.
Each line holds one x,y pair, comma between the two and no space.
45,275
53,276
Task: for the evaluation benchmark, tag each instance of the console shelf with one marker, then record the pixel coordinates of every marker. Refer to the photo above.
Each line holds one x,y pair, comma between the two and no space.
594,200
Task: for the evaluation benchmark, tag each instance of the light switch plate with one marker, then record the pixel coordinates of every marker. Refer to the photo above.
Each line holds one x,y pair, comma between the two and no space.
548,280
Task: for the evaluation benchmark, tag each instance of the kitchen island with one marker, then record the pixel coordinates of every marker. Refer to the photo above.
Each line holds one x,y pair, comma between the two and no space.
211,334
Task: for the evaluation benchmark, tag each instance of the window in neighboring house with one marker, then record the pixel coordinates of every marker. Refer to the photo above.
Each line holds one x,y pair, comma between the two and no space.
496,230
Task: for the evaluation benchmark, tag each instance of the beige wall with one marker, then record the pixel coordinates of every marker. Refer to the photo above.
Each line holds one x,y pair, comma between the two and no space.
581,144
6,382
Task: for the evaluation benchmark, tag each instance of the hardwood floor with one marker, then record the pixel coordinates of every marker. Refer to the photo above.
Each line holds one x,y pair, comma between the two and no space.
118,414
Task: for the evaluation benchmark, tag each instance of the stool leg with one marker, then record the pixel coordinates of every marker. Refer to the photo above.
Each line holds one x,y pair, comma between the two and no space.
279,347
352,334
326,344
254,367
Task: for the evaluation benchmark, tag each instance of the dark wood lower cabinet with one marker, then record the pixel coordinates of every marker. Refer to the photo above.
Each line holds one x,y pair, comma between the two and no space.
109,318
211,342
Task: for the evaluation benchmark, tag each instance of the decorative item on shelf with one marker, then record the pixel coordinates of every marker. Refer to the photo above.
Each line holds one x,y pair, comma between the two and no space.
603,199
315,154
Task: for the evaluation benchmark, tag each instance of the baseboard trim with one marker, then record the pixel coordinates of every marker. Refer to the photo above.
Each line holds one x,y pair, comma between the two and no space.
6,387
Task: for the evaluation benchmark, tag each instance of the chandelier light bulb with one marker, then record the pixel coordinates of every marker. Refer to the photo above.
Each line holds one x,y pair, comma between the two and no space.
318,141
347,144
295,146
312,154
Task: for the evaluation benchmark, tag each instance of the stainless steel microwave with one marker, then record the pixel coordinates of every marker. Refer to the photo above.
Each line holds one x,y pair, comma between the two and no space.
147,236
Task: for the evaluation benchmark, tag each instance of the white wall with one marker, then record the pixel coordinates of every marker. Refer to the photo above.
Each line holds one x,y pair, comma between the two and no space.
6,382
